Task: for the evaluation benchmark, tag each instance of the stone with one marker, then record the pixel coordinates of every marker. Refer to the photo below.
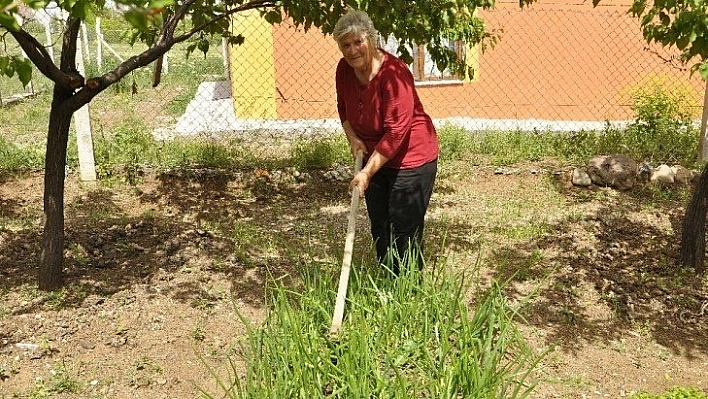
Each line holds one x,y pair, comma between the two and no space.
663,175
682,176
616,171
581,178
644,172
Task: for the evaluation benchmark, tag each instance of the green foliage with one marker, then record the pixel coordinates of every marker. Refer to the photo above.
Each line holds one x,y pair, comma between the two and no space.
455,142
663,129
321,153
14,157
412,336
510,147
676,23
11,65
61,382
430,22
131,147
675,393
419,22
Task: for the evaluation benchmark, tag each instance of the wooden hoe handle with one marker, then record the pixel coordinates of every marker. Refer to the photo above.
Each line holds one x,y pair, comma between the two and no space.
348,250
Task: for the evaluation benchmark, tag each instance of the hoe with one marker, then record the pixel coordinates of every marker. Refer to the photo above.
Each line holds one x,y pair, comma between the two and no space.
348,249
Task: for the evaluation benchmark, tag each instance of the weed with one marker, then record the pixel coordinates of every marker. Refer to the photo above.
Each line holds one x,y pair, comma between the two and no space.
30,292
198,333
131,147
405,337
55,298
62,381
455,142
321,153
59,382
16,157
674,393
4,312
144,371
663,128
146,363
121,330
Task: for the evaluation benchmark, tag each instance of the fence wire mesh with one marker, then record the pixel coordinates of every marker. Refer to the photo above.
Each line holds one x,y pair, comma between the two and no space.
557,66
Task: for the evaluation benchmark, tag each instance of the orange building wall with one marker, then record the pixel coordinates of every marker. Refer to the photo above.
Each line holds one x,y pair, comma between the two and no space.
304,72
555,61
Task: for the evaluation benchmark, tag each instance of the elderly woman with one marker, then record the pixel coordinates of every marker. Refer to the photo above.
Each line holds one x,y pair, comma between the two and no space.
382,116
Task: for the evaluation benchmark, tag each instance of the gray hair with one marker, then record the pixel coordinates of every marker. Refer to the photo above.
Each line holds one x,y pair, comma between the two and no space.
355,22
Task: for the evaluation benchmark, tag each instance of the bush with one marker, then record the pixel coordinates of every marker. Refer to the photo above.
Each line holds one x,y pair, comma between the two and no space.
663,129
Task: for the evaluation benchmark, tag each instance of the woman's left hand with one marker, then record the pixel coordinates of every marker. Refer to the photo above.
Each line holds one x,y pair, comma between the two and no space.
361,181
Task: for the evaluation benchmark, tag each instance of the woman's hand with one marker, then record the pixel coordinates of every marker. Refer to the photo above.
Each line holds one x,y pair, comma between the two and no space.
355,143
361,181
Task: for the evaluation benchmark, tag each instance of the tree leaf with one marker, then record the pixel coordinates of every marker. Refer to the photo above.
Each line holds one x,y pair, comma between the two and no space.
9,22
158,4
273,17
203,46
24,70
137,19
682,42
81,10
703,70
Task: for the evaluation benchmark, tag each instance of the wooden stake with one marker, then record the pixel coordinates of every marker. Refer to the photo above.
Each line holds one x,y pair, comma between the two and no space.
348,250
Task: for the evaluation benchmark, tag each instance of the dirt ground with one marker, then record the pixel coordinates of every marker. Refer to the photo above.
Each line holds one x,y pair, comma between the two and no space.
159,276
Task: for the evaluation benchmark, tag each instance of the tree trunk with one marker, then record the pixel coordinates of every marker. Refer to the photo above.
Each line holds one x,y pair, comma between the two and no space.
52,261
693,229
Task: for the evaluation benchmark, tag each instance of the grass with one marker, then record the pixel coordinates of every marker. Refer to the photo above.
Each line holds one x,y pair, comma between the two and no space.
130,147
60,382
413,336
674,393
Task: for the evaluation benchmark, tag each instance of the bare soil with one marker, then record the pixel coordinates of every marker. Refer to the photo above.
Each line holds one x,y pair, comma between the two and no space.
159,276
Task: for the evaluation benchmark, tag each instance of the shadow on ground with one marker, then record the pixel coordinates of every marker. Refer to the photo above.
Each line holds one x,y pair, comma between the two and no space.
242,224
251,227
631,265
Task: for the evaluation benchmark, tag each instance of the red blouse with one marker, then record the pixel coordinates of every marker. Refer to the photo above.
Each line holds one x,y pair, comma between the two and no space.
387,114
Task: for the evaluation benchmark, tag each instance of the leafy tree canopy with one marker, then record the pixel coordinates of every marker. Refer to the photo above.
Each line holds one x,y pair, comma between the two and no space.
680,23
162,23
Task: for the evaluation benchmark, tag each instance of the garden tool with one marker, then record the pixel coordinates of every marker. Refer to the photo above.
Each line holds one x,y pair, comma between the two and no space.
348,250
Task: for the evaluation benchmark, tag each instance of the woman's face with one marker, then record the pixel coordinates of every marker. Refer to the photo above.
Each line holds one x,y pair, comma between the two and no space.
356,50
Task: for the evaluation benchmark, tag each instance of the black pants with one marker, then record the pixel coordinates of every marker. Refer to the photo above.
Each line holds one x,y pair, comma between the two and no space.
397,200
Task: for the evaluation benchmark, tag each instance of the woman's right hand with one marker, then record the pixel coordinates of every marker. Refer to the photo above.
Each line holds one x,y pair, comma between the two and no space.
356,145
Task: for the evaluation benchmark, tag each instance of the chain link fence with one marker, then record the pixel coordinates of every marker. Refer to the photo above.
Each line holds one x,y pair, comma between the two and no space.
560,66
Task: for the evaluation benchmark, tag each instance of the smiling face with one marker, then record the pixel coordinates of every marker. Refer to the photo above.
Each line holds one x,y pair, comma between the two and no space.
357,51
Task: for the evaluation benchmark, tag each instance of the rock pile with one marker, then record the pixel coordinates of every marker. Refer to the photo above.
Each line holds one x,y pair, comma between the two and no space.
623,173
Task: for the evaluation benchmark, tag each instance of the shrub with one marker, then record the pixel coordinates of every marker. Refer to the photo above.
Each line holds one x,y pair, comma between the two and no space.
663,128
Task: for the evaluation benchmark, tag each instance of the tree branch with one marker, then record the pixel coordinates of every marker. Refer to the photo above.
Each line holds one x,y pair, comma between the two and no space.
164,43
245,7
39,55
67,64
